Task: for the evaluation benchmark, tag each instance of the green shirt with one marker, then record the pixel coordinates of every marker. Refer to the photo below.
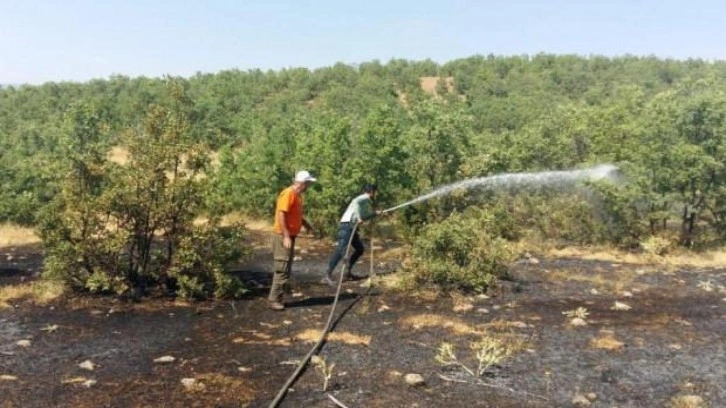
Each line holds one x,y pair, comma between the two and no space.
359,209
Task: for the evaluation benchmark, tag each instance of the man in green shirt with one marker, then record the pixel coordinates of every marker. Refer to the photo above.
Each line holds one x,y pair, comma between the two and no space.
359,210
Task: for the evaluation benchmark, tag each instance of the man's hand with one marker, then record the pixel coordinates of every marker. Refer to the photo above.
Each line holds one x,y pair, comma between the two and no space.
286,242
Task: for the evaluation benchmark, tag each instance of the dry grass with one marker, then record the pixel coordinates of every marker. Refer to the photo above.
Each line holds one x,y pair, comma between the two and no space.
614,280
40,292
11,235
660,320
430,84
457,326
233,388
606,341
251,224
121,155
118,154
713,258
389,254
687,401
312,335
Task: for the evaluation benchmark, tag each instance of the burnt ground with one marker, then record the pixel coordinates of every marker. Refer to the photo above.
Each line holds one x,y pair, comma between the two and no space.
668,349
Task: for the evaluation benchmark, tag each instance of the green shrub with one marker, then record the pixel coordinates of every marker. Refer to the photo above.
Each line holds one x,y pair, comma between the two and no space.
147,223
459,253
657,245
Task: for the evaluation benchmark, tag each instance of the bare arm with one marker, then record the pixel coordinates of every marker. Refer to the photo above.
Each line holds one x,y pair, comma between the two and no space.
282,221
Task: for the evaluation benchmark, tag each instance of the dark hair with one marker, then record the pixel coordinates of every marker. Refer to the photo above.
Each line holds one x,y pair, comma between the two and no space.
369,188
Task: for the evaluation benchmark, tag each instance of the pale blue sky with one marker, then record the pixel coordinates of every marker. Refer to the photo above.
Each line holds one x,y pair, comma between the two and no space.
77,40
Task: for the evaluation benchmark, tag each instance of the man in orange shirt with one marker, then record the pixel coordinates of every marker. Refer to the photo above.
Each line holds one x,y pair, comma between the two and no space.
289,221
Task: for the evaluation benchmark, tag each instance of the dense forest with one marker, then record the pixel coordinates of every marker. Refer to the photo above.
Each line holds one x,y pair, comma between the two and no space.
408,126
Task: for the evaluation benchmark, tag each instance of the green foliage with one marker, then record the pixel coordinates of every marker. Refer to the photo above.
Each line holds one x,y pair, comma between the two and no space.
459,253
661,120
567,217
114,227
623,213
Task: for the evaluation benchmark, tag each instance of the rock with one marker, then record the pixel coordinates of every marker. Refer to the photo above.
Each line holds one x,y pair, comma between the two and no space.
164,359
594,291
244,369
414,380
8,377
620,306
87,365
191,384
463,307
23,343
89,383
578,322
591,396
188,382
482,310
580,401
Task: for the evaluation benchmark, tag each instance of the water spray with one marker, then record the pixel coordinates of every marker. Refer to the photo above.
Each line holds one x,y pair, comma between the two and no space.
544,178
547,178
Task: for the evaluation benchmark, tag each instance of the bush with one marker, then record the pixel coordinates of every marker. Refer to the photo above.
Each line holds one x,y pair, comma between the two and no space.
657,245
459,254
112,228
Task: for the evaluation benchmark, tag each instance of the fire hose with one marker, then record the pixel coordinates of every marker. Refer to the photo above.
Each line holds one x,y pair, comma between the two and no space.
283,391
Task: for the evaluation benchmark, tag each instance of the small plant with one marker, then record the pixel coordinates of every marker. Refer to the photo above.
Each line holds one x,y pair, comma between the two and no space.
706,285
488,351
580,312
325,370
656,245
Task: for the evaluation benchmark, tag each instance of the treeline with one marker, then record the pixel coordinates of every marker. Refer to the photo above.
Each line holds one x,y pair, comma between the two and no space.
661,121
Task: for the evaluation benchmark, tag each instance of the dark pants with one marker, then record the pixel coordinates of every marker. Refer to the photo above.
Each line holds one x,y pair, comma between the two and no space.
345,229
283,265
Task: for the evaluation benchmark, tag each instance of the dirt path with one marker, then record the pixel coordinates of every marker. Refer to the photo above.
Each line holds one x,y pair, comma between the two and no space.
667,348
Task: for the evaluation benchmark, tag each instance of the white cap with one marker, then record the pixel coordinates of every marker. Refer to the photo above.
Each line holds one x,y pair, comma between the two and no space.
303,176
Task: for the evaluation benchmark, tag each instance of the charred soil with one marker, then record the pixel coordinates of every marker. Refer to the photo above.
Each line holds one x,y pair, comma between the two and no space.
583,333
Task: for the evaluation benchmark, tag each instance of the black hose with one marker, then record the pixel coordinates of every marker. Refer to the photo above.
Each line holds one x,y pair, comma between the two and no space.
283,391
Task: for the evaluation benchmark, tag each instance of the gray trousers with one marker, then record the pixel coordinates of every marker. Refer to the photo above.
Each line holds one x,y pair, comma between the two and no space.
282,263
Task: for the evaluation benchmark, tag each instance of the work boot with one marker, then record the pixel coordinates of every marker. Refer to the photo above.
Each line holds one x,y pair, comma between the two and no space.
346,274
350,276
328,281
274,305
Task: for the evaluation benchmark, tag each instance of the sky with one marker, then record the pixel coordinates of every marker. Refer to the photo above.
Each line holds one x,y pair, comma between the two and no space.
79,40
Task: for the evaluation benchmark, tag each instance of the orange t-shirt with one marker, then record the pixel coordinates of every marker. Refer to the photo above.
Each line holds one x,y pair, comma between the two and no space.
291,204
